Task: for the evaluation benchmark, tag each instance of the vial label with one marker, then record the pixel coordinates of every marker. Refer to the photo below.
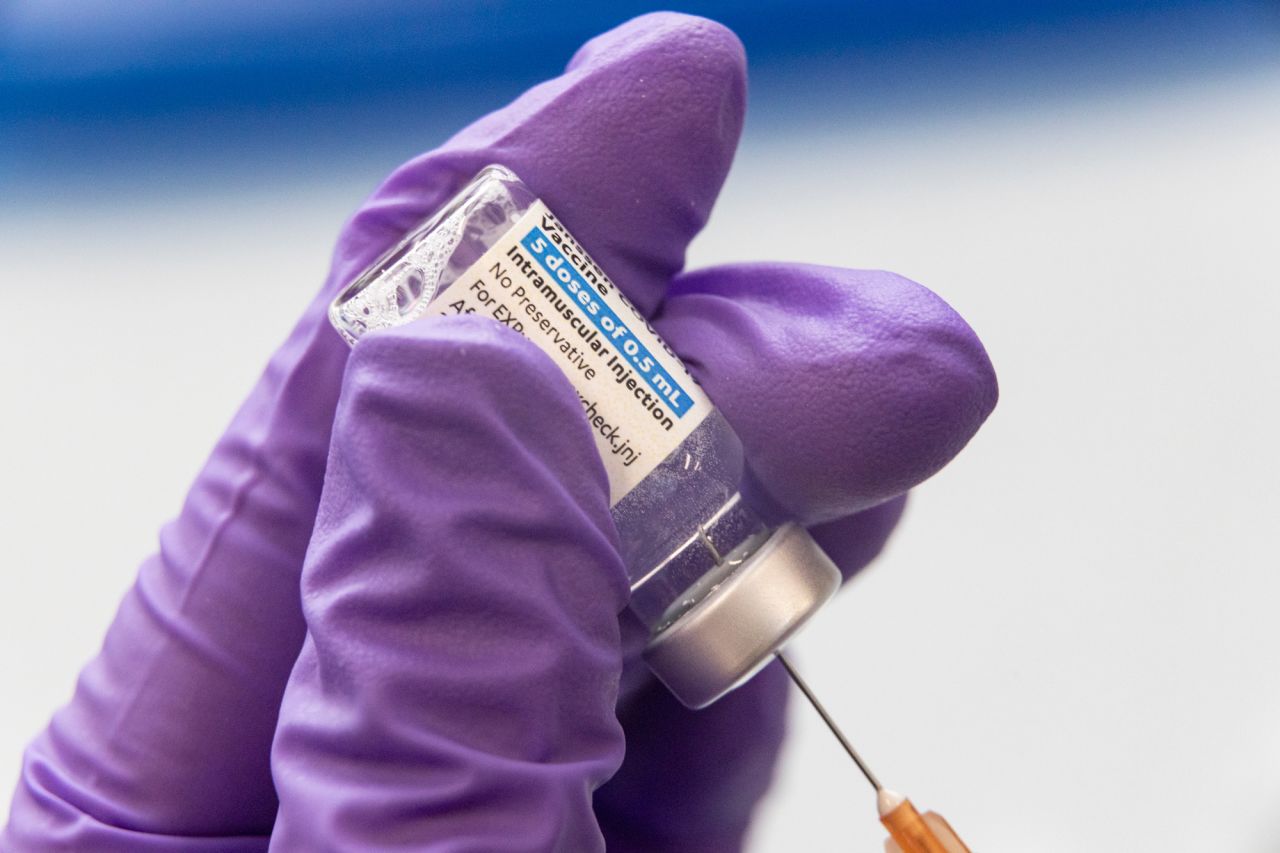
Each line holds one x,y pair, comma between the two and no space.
638,397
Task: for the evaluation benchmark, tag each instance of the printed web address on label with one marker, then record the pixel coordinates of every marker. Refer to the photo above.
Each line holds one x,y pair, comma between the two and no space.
604,319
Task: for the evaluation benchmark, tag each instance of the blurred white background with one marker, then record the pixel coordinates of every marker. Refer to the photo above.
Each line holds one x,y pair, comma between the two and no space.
1071,642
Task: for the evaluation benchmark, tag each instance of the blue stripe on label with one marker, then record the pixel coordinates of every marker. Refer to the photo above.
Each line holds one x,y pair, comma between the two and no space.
603,318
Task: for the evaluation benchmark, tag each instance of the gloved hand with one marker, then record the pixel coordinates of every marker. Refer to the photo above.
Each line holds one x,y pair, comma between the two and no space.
460,599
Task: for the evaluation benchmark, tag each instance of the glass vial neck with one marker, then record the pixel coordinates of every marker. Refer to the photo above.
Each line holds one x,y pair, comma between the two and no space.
719,544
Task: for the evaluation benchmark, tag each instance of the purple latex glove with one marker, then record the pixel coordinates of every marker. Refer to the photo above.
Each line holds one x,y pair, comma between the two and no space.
457,686
167,742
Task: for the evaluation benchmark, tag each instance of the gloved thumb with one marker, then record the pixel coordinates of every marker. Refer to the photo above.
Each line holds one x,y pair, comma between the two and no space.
461,590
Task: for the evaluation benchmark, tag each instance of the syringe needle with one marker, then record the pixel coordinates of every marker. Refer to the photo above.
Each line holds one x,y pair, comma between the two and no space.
831,724
911,831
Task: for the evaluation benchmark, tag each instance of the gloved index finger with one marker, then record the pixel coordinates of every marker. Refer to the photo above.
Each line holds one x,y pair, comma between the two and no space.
629,147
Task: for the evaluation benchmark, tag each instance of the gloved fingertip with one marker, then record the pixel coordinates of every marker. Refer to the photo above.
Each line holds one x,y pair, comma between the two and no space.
875,381
704,46
450,343
415,391
429,358
629,147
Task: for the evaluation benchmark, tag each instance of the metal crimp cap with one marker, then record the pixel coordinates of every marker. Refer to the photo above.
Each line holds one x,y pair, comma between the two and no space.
732,633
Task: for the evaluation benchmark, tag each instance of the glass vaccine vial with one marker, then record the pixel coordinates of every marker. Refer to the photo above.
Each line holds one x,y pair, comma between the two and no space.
718,589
